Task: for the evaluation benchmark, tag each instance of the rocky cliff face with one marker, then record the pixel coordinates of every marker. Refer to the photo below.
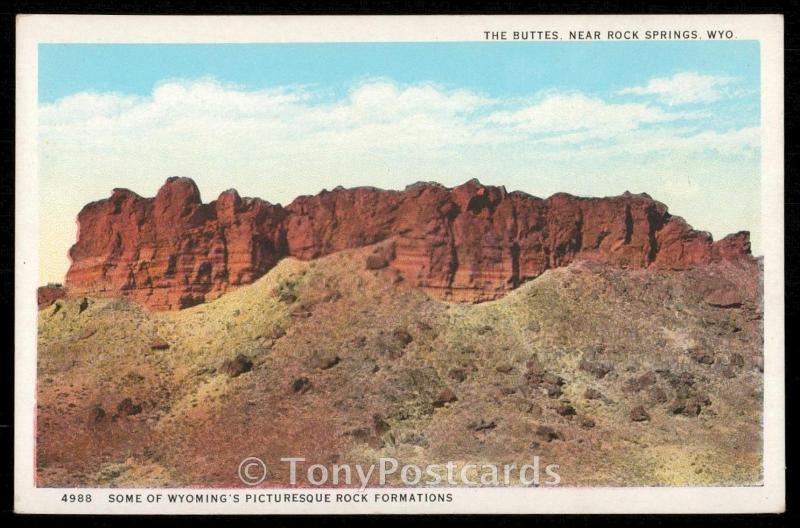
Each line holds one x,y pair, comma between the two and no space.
469,243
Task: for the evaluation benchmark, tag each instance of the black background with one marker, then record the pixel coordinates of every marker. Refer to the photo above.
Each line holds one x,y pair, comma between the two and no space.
8,11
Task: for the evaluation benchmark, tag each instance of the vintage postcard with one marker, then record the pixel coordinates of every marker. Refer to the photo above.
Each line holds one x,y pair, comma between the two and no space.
448,264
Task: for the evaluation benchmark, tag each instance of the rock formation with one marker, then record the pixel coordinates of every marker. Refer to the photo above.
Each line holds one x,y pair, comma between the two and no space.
47,295
469,243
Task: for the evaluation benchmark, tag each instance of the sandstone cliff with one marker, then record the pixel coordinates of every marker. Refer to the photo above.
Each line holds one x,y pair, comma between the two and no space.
469,243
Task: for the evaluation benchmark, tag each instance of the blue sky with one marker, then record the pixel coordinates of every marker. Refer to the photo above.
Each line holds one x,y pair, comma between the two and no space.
678,120
510,69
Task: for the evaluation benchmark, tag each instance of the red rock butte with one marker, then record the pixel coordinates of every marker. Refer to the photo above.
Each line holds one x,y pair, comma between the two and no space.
470,243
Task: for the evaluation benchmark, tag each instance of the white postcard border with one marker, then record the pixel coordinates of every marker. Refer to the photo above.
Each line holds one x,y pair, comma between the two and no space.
35,29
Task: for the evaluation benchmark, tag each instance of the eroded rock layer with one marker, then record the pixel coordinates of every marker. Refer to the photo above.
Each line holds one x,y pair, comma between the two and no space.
470,243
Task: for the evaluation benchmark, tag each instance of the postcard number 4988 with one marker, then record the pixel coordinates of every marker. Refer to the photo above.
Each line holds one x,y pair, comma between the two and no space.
76,497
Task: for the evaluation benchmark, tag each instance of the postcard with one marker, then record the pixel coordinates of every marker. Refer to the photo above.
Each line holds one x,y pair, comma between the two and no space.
399,264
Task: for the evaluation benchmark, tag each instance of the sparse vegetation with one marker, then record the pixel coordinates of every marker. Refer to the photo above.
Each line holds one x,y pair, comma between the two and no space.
592,368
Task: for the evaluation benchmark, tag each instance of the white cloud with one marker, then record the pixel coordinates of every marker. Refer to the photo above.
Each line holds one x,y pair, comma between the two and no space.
678,141
205,117
573,112
684,88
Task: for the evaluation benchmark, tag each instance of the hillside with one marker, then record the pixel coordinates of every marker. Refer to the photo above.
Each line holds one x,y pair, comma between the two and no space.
622,377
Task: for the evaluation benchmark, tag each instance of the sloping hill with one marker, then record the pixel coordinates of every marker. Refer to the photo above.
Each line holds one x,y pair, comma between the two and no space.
620,377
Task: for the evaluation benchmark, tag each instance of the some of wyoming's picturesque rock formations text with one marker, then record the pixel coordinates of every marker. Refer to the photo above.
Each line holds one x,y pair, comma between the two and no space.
468,243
